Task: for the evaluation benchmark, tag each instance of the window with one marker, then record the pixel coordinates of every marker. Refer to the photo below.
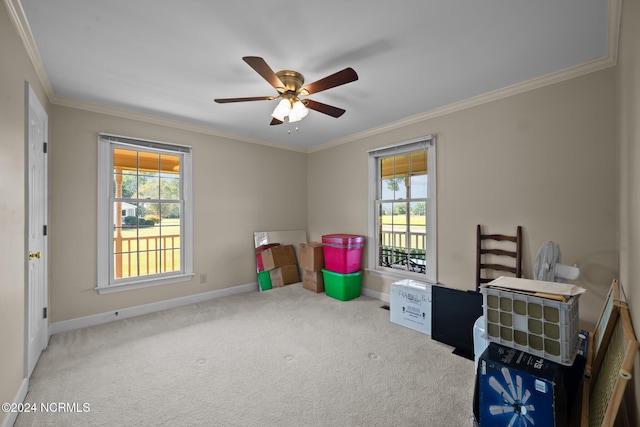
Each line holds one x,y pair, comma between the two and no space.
402,208
144,213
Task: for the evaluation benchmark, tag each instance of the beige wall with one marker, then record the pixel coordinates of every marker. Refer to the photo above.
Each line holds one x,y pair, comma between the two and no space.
556,145
629,136
15,69
544,159
239,188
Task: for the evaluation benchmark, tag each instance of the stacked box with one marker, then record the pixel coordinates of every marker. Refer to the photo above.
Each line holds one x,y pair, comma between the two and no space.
259,250
285,275
278,256
311,256
342,258
343,287
277,266
342,252
541,326
311,264
313,281
517,388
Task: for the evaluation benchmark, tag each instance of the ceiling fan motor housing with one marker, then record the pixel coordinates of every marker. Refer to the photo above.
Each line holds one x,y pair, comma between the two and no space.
292,81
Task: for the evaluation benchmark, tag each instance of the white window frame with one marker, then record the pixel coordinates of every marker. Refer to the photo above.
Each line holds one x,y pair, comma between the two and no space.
105,277
430,275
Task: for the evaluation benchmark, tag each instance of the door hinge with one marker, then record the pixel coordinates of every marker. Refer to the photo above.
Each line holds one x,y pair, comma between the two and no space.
44,230
44,313
44,148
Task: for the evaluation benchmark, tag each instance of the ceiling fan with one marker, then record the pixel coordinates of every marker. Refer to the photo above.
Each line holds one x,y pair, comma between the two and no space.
289,85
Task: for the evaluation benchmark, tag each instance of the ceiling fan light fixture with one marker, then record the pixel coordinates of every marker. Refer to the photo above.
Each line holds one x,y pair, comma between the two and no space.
298,112
289,85
282,110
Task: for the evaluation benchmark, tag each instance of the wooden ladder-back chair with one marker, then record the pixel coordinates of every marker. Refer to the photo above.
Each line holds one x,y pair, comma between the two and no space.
482,250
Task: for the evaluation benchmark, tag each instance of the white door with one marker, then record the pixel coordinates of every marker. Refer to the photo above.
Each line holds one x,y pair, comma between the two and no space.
37,323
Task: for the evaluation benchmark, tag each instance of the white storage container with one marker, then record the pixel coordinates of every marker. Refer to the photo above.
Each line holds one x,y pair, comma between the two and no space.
410,305
540,326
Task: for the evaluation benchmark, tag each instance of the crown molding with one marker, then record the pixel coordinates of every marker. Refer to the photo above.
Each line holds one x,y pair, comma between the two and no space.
535,83
19,20
614,17
505,92
163,121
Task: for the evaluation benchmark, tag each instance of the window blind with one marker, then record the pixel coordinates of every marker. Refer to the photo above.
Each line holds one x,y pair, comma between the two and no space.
421,143
156,145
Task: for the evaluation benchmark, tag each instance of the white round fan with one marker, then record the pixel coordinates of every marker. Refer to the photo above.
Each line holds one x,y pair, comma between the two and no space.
547,265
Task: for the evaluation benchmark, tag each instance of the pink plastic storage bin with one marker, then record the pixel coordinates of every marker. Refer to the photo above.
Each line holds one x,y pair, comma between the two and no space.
342,252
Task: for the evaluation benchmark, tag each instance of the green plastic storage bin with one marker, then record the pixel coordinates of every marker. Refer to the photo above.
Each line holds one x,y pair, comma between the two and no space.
342,286
264,280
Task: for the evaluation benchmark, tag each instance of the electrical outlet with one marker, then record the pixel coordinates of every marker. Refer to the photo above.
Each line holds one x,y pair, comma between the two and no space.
203,278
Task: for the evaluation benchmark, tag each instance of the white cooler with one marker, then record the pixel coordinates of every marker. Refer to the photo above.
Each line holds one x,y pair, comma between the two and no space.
479,342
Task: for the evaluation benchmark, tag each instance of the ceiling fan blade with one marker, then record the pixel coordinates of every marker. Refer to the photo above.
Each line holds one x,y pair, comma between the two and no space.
276,122
324,108
253,98
262,68
347,75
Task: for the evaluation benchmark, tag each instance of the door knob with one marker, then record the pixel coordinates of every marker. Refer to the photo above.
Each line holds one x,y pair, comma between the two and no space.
33,255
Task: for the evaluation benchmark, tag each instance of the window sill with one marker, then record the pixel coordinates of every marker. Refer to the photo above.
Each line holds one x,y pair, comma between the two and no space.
144,283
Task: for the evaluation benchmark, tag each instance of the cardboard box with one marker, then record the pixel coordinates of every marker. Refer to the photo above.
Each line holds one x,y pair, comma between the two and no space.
311,256
572,378
519,388
259,250
278,256
313,280
285,275
410,305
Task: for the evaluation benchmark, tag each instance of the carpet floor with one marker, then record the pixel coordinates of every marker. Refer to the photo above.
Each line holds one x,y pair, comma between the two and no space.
284,357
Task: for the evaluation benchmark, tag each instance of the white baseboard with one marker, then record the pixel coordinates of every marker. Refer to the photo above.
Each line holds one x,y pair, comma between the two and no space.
375,294
10,418
98,319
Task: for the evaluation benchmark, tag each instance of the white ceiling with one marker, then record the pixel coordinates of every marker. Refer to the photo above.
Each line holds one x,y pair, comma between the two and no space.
172,58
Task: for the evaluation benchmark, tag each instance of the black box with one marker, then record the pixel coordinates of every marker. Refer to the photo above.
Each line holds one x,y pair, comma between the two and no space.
517,388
